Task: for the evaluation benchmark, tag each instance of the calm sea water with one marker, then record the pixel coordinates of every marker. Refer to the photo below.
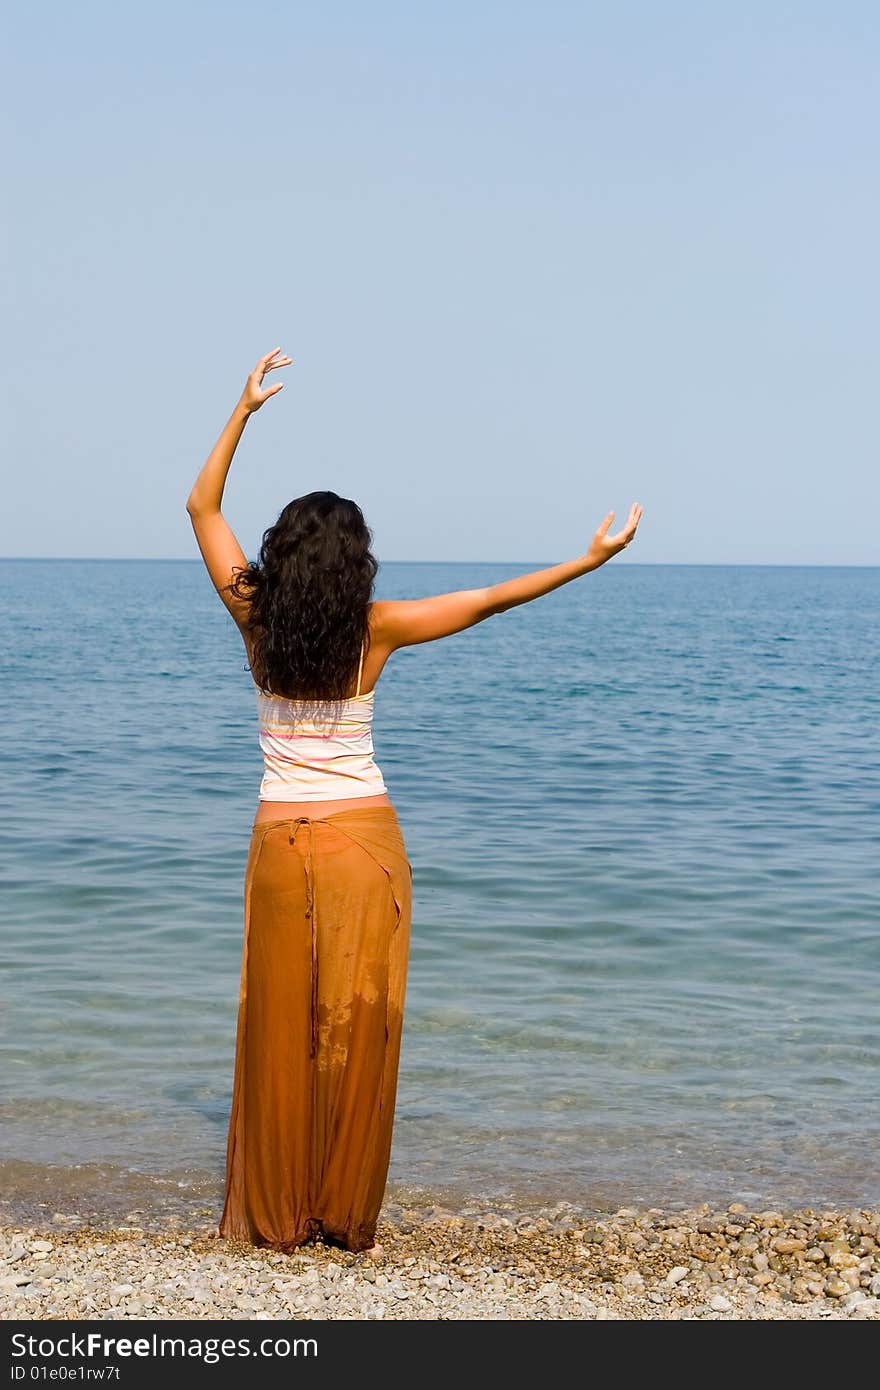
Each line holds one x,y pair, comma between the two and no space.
643,819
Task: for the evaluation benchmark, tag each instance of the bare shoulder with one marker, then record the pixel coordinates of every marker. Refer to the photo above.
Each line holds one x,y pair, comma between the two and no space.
379,618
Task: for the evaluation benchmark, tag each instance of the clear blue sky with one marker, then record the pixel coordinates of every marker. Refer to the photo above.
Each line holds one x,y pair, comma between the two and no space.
533,261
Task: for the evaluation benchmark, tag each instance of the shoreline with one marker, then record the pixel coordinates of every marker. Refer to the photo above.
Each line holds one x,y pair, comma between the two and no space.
108,1195
639,1264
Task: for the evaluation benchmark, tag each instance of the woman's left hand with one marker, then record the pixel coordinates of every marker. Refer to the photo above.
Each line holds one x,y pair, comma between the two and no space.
603,546
253,395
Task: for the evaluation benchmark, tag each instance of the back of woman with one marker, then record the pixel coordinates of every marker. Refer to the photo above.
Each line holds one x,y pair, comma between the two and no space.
328,884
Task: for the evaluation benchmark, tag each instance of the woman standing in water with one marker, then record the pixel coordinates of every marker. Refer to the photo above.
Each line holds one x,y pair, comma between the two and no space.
327,890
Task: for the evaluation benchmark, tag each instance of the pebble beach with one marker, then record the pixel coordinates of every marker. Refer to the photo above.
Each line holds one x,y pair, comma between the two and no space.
431,1264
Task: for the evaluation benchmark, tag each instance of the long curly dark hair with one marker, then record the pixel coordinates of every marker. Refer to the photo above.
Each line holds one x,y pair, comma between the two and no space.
309,595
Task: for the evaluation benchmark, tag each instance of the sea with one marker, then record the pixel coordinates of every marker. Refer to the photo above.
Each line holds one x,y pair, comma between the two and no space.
643,815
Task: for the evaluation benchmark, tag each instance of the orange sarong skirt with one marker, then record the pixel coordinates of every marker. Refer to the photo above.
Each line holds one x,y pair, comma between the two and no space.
327,904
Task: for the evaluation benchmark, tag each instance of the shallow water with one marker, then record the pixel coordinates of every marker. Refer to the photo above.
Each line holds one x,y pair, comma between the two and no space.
643,820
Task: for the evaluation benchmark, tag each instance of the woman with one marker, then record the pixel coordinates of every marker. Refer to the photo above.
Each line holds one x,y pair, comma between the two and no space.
327,883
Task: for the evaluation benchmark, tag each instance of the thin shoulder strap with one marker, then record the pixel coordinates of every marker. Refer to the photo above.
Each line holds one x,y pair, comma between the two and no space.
360,668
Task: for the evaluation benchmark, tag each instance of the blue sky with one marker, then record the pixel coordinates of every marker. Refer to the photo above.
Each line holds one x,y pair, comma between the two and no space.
533,261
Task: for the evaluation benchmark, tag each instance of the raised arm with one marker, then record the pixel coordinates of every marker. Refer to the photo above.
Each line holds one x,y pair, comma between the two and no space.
221,552
405,622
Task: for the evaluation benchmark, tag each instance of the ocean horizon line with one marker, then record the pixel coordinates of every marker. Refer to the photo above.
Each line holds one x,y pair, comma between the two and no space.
637,564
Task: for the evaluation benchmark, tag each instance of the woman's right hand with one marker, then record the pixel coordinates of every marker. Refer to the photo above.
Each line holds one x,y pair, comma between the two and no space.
603,547
253,395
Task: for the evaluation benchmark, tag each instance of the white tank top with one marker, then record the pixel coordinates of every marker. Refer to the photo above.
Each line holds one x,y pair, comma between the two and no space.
307,759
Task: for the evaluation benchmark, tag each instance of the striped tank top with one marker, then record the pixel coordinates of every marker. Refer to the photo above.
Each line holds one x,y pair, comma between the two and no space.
310,759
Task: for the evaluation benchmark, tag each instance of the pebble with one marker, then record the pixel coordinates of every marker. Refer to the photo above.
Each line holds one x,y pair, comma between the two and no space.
770,1219
853,1299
